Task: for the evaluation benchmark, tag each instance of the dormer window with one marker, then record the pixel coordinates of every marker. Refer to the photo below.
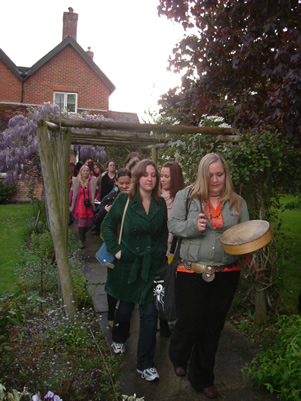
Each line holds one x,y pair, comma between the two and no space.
66,101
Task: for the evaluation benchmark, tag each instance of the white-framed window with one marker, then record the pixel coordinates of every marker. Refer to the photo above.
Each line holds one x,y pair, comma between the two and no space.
66,101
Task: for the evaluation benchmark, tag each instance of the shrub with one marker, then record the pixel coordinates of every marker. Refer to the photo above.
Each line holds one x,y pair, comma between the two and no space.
278,368
7,192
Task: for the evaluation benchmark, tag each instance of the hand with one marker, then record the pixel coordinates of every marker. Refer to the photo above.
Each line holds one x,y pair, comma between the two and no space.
107,208
202,222
118,255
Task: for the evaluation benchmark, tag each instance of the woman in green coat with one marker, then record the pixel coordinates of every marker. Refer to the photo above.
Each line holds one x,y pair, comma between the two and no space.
138,257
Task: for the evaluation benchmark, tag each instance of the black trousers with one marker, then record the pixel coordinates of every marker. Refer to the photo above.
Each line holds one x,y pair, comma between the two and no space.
111,306
202,309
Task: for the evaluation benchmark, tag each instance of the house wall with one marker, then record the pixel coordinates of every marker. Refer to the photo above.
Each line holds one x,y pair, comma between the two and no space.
67,72
10,85
23,188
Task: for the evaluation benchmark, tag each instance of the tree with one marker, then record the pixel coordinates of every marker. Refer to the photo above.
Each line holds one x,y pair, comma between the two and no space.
240,59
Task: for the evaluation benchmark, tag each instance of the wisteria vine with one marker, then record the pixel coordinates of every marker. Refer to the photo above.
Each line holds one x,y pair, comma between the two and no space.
19,156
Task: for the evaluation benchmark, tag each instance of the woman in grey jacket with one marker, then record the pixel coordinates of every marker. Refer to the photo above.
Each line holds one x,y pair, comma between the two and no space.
206,276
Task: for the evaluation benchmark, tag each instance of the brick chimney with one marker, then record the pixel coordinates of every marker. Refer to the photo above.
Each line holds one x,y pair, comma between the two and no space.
90,53
70,23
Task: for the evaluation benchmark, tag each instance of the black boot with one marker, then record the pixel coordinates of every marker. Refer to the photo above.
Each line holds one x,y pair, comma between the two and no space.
82,236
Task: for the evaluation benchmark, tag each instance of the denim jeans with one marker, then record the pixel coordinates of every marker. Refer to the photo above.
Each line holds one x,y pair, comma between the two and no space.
147,330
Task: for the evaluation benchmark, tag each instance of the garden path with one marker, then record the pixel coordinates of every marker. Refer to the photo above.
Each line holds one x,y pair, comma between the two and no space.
234,351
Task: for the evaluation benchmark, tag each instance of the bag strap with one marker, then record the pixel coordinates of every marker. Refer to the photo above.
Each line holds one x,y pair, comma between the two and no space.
175,239
173,245
122,221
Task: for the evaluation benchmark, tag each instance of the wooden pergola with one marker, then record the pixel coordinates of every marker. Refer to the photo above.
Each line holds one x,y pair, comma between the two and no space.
54,140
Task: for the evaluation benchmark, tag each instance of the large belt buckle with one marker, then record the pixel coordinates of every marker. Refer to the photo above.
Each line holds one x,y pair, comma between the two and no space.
186,264
209,274
199,269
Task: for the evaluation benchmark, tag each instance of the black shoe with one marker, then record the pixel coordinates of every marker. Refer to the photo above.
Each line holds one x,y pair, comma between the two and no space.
164,328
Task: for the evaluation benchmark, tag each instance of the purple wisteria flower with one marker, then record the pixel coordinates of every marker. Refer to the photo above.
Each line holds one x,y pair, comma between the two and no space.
50,396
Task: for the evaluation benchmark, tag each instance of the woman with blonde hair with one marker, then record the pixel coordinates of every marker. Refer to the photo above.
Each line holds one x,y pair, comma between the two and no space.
207,277
138,257
83,193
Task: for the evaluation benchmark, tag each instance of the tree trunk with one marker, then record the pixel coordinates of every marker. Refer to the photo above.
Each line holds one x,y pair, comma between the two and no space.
54,149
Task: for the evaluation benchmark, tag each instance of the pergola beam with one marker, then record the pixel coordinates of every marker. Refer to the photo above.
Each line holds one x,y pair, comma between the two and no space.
146,128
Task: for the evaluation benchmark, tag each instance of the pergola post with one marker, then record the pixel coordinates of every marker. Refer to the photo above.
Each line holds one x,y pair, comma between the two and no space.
154,154
54,149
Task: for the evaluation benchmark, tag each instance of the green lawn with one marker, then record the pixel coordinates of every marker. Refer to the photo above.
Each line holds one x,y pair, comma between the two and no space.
291,274
13,234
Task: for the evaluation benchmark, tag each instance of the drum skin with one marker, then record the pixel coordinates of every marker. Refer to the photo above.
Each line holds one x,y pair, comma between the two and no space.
246,237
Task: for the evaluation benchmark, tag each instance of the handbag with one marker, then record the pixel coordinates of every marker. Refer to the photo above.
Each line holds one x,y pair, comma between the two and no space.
164,285
87,202
165,281
103,255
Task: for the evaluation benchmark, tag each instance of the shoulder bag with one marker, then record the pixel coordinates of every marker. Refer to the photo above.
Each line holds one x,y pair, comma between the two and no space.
103,255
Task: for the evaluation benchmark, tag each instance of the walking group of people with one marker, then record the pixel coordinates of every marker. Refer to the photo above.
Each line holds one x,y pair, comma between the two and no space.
158,208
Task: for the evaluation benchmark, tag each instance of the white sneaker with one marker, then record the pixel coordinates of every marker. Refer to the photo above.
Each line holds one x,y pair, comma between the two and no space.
118,348
149,374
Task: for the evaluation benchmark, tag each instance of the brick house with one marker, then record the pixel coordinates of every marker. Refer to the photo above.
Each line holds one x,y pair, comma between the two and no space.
67,75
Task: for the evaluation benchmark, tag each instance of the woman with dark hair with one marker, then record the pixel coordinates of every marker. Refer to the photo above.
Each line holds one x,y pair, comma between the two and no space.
138,258
172,181
108,179
132,157
207,277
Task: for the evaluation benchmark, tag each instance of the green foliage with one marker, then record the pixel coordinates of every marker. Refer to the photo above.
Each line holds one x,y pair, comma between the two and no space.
71,357
7,192
13,395
261,165
278,368
11,316
39,213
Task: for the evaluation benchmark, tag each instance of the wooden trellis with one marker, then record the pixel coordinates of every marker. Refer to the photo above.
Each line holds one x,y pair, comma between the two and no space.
54,140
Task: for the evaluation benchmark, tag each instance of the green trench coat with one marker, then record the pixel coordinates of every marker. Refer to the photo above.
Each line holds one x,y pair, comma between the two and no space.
143,247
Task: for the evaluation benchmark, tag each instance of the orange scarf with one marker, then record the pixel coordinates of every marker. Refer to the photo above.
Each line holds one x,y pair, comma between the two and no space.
214,215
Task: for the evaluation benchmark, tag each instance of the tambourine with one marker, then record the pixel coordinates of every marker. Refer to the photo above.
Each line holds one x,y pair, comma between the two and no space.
246,237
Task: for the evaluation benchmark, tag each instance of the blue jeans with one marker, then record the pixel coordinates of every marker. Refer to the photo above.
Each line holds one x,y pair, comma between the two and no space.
147,330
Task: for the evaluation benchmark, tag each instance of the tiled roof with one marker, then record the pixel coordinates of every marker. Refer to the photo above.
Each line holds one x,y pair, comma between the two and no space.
23,72
10,64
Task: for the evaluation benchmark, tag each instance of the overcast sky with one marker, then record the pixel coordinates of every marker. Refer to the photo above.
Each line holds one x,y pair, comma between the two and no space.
131,44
